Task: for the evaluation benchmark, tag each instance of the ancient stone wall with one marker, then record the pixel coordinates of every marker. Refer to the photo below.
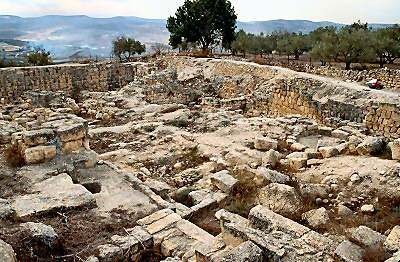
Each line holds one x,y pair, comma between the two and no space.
70,78
389,77
264,90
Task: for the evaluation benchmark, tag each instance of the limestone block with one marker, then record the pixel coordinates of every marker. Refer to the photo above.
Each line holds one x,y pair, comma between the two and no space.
366,237
265,144
72,146
37,137
395,148
224,181
72,132
349,252
39,154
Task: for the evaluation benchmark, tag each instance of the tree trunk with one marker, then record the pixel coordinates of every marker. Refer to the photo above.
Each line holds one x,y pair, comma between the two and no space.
381,62
348,65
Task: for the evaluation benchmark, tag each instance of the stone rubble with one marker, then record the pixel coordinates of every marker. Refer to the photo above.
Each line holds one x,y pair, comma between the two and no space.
184,159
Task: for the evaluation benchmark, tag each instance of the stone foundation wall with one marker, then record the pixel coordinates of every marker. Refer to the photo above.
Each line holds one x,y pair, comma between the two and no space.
72,78
389,77
58,136
264,90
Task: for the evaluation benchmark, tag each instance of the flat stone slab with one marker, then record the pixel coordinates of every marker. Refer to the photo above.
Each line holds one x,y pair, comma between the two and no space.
55,193
224,181
247,251
349,252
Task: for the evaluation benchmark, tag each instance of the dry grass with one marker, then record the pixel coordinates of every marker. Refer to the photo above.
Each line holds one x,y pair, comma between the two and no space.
13,156
375,254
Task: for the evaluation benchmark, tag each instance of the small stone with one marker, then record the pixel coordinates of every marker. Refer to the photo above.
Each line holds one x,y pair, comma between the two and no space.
368,209
271,158
317,218
355,178
344,211
366,237
41,232
329,151
265,144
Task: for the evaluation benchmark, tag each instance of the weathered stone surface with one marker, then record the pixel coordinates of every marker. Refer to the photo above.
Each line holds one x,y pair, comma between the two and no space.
138,239
395,148
38,154
271,158
267,220
41,232
73,132
110,253
224,181
159,187
247,251
392,242
38,137
394,258
349,252
6,210
282,199
6,252
328,152
179,118
53,194
265,176
371,146
265,144
366,237
317,218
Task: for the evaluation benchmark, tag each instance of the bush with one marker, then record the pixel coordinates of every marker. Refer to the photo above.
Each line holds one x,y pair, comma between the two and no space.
39,58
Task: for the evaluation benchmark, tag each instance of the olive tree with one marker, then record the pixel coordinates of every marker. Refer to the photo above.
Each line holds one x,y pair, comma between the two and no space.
124,48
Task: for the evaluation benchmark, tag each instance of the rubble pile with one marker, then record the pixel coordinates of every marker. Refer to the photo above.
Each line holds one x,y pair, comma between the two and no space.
202,160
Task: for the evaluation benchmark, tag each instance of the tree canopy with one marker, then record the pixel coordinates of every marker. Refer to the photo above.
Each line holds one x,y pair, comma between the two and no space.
124,48
205,23
39,57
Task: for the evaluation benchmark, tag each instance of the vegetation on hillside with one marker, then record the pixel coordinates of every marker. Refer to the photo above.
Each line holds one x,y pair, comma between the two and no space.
356,43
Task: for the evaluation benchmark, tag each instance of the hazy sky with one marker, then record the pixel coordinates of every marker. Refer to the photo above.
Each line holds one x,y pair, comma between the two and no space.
345,11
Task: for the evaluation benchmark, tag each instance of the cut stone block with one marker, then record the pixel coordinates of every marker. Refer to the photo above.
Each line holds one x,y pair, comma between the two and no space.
366,237
38,154
349,252
224,181
265,144
247,251
154,217
55,193
72,132
37,137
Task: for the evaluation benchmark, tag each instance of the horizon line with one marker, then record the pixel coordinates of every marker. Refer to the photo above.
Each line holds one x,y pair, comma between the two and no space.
238,20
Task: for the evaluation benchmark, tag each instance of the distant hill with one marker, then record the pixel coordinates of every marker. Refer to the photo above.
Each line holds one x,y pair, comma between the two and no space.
68,35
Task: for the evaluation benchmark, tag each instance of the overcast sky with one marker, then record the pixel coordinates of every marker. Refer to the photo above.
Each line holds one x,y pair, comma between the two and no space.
345,11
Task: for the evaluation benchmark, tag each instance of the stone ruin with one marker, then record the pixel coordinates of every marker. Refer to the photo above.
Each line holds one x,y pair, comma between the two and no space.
197,160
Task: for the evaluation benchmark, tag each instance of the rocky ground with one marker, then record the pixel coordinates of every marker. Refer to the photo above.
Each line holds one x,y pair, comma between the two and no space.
171,168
